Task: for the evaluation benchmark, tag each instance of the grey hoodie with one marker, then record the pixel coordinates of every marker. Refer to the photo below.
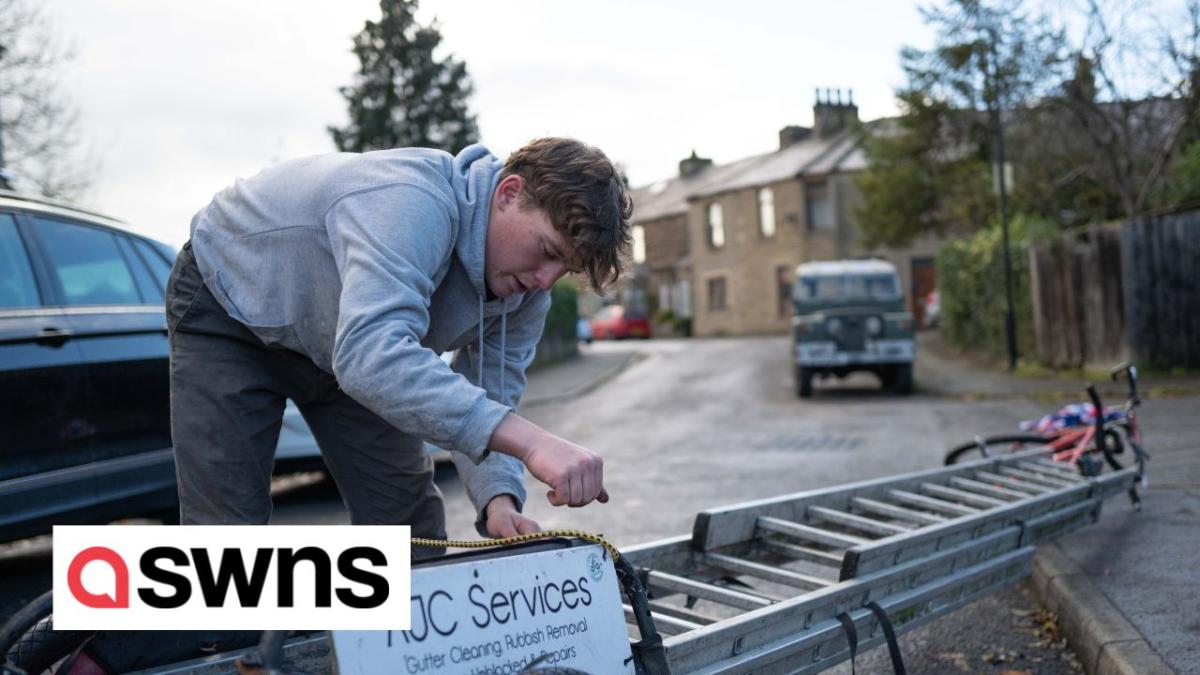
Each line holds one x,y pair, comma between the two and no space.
372,265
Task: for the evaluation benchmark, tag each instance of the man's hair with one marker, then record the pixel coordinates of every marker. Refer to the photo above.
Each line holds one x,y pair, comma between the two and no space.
584,197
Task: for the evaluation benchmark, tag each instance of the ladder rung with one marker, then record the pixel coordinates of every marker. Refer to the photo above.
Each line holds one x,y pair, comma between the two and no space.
660,607
829,558
809,533
1013,483
699,589
856,522
667,625
1058,468
1035,477
891,510
775,574
940,505
962,496
990,490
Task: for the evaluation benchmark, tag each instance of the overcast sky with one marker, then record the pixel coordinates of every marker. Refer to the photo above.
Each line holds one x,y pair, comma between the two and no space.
179,98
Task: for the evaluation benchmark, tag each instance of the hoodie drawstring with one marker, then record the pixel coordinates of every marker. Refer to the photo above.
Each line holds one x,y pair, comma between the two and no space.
503,346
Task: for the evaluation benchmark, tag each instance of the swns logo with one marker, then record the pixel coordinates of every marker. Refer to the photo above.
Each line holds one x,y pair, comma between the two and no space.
231,577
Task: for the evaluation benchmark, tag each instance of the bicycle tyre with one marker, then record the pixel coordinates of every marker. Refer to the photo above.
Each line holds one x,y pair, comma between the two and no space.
1000,444
41,646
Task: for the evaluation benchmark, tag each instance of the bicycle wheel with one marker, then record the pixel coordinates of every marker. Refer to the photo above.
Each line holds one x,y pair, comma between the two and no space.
992,446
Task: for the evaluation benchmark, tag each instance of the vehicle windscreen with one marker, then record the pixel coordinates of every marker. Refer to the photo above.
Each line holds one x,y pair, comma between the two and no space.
838,287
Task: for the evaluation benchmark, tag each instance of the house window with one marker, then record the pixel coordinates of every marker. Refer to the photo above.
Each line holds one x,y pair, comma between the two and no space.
783,284
716,225
820,212
664,297
639,244
766,212
716,294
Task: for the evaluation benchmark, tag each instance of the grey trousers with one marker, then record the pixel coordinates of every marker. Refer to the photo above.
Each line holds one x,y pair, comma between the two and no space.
228,391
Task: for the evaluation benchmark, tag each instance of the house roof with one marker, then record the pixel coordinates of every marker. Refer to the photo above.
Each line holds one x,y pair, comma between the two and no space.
810,157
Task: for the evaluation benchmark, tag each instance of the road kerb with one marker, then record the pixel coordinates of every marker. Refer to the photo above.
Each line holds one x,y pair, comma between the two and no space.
1103,639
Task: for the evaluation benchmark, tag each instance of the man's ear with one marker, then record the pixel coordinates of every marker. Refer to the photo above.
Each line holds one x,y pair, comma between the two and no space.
509,191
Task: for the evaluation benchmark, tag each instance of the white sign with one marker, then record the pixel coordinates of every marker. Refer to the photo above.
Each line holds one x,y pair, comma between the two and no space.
236,577
499,615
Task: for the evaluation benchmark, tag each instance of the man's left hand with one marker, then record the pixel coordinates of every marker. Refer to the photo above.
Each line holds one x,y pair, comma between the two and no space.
503,519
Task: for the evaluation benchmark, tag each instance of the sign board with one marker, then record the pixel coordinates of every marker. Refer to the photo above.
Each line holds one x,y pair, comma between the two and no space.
499,614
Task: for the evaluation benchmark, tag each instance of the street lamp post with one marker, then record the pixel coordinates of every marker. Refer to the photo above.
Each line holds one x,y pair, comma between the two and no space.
1010,322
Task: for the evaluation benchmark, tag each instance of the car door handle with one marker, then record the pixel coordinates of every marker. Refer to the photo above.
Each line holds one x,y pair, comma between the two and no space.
53,336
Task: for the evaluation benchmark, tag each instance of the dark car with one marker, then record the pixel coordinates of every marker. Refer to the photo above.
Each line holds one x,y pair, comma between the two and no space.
850,316
84,412
616,322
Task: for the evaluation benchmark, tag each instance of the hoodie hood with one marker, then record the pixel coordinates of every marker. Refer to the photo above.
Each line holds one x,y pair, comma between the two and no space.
475,173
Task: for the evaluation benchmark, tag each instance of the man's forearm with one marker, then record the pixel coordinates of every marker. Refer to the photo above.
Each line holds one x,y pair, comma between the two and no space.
575,474
514,436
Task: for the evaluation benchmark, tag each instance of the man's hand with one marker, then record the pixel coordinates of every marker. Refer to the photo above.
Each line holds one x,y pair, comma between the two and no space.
574,473
503,519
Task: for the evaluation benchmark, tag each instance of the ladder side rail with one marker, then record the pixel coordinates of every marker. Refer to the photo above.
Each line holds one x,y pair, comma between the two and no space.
758,629
726,525
827,647
919,543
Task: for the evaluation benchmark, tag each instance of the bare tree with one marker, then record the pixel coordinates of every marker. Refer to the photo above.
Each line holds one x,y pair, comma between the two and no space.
39,135
1134,91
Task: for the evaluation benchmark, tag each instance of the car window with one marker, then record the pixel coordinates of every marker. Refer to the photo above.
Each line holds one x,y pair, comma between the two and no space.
17,287
819,288
847,287
160,268
148,286
89,266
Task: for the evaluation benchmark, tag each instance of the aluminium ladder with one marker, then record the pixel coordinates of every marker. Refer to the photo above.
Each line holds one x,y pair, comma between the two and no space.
758,586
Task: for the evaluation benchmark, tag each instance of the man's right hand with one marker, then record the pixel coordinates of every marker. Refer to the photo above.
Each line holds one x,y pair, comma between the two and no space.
574,474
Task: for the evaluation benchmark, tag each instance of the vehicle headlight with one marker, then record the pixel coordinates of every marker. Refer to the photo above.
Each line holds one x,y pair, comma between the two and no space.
874,325
834,326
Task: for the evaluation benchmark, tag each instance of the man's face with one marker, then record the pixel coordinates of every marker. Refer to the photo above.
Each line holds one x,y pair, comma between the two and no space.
524,251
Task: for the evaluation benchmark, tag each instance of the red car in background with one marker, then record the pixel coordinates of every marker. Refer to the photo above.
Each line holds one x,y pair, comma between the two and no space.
617,322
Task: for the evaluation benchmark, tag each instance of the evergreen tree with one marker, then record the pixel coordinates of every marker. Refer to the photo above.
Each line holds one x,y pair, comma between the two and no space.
402,95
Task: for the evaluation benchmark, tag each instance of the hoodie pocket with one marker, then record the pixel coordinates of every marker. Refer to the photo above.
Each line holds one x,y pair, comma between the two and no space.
272,334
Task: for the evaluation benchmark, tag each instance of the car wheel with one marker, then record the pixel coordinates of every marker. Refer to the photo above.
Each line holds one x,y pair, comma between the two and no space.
903,383
803,382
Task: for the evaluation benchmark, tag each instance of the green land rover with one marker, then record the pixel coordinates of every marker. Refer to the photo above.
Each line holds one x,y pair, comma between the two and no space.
850,315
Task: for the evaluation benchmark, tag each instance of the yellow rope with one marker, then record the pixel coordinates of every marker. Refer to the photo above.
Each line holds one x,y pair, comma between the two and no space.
550,534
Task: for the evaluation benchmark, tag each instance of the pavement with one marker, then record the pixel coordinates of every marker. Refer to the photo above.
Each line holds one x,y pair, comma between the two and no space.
1126,590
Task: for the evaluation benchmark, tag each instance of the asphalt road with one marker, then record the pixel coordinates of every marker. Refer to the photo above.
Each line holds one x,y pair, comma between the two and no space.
702,423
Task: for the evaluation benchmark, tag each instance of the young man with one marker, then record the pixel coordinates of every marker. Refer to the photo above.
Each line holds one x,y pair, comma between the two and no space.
336,281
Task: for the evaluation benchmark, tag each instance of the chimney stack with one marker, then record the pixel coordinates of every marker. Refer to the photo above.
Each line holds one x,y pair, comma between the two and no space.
693,165
830,115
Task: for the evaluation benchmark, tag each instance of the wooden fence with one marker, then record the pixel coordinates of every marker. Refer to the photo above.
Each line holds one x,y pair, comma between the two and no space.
1162,290
1104,294
1078,300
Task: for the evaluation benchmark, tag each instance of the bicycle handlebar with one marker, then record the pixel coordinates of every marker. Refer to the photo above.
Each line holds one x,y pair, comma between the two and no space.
1099,415
1131,372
